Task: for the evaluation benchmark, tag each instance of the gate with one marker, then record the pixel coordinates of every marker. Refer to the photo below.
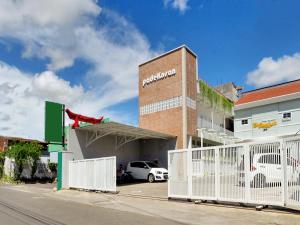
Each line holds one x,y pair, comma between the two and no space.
247,173
93,174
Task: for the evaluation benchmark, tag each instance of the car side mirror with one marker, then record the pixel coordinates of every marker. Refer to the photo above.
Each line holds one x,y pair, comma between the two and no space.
145,167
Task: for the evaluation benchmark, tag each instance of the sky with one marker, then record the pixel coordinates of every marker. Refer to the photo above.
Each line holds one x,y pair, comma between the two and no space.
85,53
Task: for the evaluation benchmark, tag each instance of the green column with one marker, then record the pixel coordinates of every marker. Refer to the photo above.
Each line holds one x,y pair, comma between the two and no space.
59,170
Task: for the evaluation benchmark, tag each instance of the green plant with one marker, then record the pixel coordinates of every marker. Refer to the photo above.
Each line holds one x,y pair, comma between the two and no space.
2,159
215,99
23,152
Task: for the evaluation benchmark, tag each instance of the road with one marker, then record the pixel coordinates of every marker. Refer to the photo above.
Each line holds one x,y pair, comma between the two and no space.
20,207
37,204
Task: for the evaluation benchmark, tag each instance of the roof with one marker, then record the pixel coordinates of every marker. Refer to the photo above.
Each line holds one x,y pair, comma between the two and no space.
168,52
270,92
114,128
20,139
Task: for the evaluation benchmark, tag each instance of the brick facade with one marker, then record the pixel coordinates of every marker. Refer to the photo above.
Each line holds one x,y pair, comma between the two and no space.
3,144
168,121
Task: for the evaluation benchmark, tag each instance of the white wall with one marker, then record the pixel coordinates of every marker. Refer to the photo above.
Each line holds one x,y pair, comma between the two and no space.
104,147
271,112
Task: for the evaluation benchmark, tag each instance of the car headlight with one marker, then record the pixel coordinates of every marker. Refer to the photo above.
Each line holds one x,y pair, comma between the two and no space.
158,172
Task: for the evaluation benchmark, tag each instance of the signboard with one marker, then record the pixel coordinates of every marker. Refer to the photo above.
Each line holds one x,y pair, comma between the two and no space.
265,124
54,113
159,76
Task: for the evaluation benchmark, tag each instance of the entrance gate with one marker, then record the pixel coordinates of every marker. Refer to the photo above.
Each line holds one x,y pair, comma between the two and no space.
93,174
247,173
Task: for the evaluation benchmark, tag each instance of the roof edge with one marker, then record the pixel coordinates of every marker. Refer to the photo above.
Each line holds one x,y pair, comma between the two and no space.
270,86
168,52
267,101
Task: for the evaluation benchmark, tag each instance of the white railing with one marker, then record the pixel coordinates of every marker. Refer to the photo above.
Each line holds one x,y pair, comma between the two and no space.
93,174
203,123
246,173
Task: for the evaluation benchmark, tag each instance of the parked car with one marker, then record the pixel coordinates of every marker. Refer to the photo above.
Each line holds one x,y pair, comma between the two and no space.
146,170
266,168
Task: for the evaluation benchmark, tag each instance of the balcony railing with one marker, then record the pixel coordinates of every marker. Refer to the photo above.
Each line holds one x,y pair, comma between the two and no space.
212,127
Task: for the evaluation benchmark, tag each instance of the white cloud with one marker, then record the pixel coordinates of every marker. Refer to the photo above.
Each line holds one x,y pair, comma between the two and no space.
62,31
24,96
270,71
181,5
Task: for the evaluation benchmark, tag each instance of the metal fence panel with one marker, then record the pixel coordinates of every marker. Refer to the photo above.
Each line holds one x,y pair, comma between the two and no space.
293,173
232,173
93,174
178,174
265,173
203,173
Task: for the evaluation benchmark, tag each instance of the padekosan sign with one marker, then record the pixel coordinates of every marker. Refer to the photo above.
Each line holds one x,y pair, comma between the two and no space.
159,76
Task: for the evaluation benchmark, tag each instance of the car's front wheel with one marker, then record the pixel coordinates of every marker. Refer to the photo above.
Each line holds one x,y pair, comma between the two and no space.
151,178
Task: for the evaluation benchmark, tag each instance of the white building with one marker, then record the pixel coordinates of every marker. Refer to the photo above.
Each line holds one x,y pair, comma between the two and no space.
268,112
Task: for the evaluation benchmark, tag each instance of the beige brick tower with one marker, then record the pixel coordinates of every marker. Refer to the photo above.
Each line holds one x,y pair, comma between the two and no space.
167,94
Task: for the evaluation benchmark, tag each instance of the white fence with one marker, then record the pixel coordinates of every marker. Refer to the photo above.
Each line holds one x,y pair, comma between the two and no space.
93,174
246,173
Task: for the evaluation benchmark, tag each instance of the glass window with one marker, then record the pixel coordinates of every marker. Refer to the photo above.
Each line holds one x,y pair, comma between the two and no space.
286,115
137,164
244,122
270,159
152,165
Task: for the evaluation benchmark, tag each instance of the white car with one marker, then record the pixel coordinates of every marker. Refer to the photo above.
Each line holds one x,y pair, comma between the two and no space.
146,170
266,168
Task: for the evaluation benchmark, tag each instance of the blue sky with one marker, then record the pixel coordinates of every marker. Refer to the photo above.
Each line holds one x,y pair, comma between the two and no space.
85,53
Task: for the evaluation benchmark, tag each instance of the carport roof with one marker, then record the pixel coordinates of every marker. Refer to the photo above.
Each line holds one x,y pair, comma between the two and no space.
114,128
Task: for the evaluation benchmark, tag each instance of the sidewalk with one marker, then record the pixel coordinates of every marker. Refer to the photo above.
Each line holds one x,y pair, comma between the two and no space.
184,212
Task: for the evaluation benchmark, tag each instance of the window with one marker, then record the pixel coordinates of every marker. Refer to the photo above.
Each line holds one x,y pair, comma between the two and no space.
286,116
244,122
138,164
270,159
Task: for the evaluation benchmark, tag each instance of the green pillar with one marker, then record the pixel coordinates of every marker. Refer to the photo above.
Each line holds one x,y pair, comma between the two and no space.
59,170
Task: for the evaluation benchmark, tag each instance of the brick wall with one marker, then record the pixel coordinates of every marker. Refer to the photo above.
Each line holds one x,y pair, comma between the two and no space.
3,144
191,92
168,121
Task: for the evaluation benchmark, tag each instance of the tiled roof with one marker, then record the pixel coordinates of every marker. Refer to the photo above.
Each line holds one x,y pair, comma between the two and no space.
270,92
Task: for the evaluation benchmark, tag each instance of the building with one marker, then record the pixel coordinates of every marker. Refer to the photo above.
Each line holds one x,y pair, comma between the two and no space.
268,112
6,141
176,110
174,101
230,91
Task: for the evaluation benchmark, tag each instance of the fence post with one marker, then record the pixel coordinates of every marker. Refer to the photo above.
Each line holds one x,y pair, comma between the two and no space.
284,181
217,173
247,172
70,174
95,174
169,174
190,172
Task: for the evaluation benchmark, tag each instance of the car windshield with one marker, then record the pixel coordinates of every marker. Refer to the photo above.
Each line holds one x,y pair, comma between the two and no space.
152,164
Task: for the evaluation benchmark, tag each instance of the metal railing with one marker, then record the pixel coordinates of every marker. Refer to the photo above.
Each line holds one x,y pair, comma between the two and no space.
203,123
93,174
247,173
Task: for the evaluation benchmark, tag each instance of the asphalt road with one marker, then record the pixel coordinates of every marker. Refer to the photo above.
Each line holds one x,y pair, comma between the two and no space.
21,208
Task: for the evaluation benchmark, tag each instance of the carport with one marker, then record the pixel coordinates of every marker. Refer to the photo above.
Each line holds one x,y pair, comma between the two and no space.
127,143
94,152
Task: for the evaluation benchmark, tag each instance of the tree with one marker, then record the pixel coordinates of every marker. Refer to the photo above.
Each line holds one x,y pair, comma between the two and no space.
23,152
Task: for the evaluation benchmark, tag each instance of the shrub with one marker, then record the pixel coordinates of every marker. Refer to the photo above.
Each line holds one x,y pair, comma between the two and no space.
23,152
2,159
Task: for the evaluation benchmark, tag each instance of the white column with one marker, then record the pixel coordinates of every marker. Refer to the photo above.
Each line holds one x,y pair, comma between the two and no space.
190,143
224,124
201,136
212,119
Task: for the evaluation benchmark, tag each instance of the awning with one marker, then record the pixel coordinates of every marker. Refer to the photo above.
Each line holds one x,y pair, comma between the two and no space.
124,133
